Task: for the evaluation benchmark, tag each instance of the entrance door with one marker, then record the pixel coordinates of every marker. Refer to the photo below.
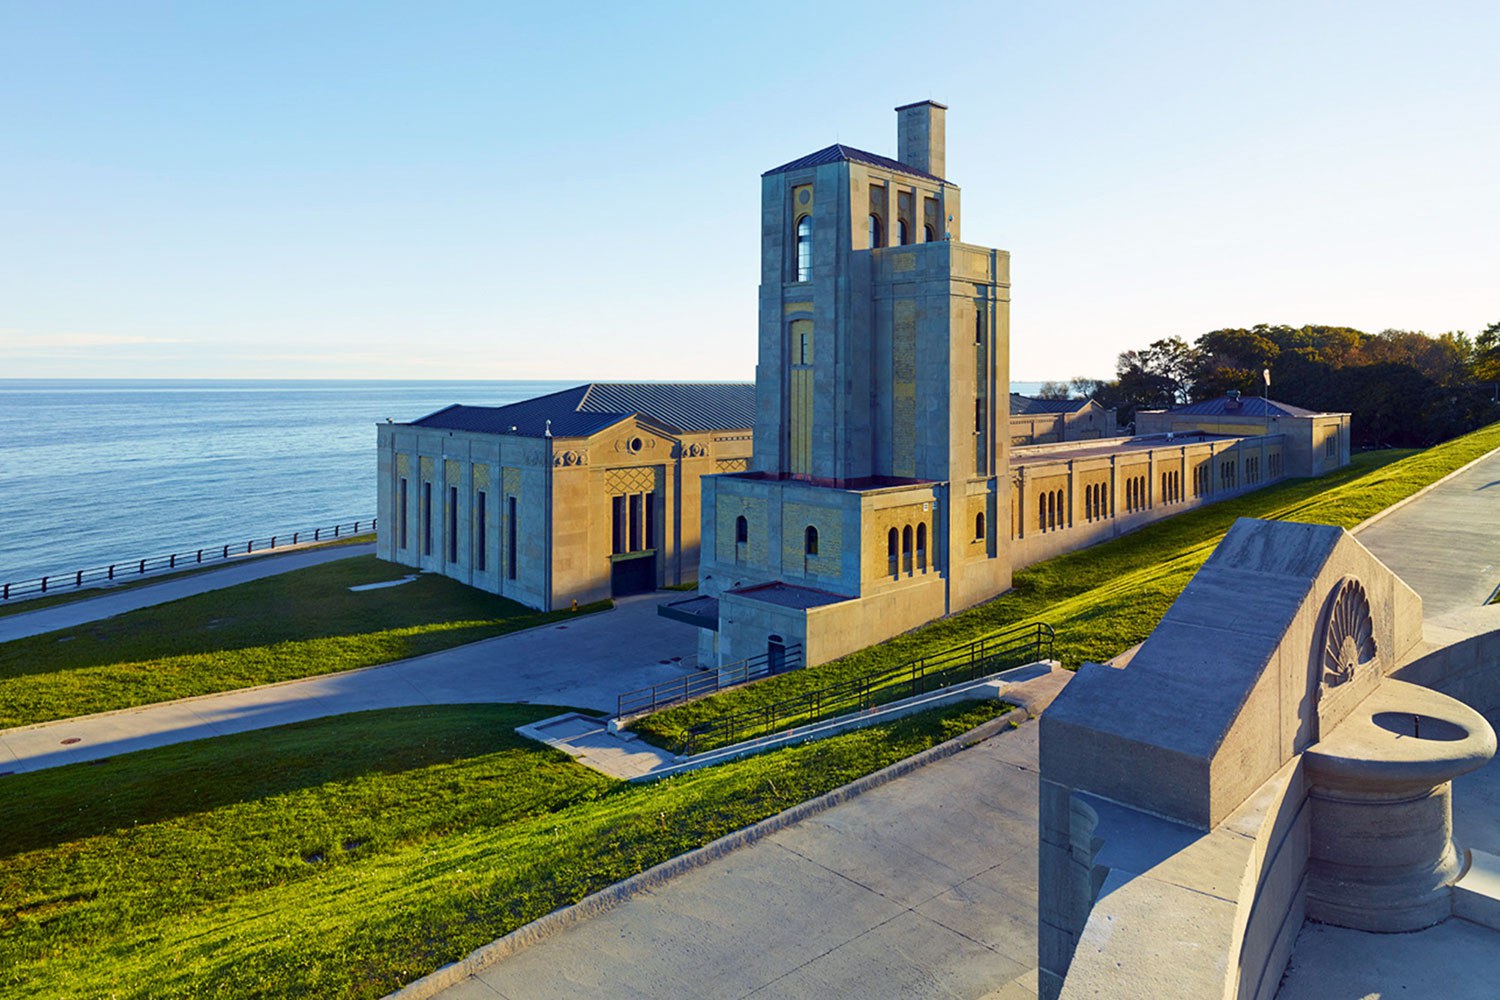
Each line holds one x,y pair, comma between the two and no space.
633,576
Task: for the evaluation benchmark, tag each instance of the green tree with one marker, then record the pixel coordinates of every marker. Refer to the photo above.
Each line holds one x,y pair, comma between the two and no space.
1054,390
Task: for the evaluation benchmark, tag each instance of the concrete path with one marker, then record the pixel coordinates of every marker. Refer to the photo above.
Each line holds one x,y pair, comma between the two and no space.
1445,543
91,609
582,663
923,887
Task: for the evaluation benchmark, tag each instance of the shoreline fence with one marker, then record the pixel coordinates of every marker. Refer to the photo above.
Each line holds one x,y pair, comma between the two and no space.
202,556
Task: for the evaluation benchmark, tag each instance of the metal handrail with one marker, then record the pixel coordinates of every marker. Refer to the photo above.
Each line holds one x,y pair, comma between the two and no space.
1022,644
75,579
705,682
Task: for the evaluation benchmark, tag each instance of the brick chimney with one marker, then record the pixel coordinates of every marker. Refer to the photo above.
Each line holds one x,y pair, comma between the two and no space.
920,133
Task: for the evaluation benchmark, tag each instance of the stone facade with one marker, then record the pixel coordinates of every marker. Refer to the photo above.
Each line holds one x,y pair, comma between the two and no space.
542,520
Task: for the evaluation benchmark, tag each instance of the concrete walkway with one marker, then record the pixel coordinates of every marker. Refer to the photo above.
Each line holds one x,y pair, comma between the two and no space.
584,663
1445,543
92,609
922,887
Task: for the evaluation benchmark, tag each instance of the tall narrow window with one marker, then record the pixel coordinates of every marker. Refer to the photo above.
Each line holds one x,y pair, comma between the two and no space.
903,233
893,567
510,537
810,541
619,524
636,522
453,524
403,513
906,550
979,416
427,519
877,231
804,248
928,235
922,547
979,527
480,537
650,503
741,530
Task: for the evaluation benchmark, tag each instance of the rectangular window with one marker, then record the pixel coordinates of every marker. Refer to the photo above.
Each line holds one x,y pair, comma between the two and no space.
453,524
979,416
619,525
650,520
1330,447
402,513
427,519
479,532
635,522
510,537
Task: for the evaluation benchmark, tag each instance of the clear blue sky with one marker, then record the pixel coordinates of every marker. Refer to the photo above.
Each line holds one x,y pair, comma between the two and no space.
506,190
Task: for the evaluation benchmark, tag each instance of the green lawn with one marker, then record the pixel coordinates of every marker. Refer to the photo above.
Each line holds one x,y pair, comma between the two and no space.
64,593
1106,598
346,856
296,624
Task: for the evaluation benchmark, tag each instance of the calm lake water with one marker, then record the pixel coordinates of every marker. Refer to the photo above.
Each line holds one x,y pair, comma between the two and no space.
95,471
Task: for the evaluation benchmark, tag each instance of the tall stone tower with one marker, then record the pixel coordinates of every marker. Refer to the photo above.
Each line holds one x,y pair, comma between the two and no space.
878,495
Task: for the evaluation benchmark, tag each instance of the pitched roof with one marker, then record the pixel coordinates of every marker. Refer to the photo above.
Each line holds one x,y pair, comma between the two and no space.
1027,405
838,153
589,408
1243,406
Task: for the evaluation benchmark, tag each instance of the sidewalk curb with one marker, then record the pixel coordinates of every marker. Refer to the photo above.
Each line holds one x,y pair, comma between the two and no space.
1373,518
608,898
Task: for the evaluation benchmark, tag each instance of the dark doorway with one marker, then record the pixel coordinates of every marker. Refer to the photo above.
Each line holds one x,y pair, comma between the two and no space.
633,576
775,654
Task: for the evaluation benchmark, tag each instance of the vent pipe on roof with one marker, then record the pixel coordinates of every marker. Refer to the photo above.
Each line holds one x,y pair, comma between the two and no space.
1233,395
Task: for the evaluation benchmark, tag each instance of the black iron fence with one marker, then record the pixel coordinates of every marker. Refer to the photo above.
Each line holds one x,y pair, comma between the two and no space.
1011,648
99,575
703,682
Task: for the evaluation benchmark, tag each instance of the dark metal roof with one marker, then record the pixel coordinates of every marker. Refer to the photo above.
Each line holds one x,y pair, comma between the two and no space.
1027,405
589,408
838,153
1244,406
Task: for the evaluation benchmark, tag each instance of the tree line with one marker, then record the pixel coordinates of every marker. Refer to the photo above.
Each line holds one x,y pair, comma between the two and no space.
1403,388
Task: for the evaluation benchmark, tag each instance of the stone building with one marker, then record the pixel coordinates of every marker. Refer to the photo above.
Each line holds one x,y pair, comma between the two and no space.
1046,421
581,495
1314,442
884,490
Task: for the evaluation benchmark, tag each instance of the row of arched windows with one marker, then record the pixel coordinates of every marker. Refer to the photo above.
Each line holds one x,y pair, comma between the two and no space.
901,556
1171,487
1050,512
903,233
1228,475
1273,461
1096,502
1201,480
1252,469
1135,494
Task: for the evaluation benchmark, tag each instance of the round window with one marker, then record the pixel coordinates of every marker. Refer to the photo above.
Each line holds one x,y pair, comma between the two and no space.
636,444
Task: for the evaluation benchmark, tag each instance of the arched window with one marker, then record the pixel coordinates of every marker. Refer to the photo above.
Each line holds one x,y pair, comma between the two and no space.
804,248
877,231
1041,511
927,235
906,540
1062,511
741,530
1051,509
810,541
903,235
890,551
979,527
922,546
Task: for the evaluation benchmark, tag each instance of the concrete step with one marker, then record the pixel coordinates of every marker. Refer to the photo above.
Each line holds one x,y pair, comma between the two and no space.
1476,896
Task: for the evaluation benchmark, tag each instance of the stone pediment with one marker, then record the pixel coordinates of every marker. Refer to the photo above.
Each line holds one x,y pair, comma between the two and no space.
1285,628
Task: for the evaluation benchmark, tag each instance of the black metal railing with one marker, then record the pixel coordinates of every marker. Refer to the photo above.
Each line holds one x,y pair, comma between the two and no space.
705,682
1011,648
99,575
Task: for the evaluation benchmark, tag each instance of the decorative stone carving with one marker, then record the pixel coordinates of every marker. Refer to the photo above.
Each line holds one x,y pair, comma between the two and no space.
570,458
1348,635
696,451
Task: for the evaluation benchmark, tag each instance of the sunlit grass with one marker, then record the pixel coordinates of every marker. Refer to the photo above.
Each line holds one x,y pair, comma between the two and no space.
345,856
298,624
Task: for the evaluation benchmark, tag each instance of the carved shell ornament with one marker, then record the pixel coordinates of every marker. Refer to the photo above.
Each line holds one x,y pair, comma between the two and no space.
1348,636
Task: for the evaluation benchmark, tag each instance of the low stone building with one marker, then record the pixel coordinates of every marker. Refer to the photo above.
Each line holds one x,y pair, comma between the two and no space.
579,495
1313,442
1047,421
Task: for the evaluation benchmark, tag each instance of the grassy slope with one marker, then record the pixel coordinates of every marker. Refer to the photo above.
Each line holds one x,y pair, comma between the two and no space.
296,624
345,856
1109,597
64,595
